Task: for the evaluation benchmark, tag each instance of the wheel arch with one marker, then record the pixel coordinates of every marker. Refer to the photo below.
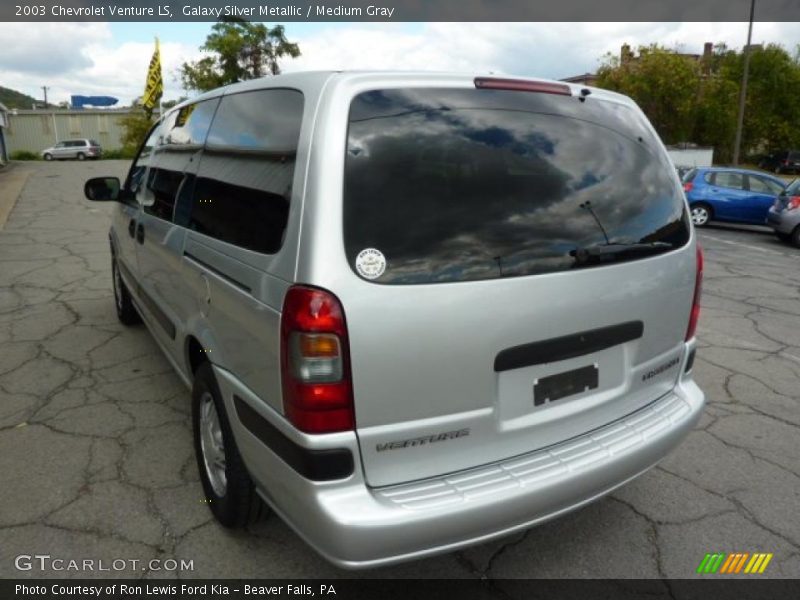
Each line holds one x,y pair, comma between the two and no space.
195,354
199,347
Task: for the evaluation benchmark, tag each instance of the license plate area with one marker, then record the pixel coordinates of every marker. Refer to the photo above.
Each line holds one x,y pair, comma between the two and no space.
568,383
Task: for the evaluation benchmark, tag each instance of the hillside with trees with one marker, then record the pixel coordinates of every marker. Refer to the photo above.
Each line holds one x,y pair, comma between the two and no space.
14,99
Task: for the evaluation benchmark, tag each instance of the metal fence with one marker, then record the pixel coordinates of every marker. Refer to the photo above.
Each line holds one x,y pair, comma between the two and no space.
35,130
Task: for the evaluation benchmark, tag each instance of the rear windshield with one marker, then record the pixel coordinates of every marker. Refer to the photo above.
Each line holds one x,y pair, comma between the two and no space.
445,185
794,155
793,189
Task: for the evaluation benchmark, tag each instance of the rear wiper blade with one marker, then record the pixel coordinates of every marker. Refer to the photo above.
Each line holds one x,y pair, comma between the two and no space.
611,252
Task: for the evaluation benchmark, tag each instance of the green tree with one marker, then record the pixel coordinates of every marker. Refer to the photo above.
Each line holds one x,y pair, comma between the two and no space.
135,127
772,108
663,83
698,100
240,50
171,103
718,104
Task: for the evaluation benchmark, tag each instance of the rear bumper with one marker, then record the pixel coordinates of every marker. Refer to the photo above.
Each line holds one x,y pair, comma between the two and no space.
355,526
784,221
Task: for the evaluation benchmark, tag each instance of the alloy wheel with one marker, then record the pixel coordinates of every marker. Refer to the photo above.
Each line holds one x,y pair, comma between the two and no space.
212,444
700,215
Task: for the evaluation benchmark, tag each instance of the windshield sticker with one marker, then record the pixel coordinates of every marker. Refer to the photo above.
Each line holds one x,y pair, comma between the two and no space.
370,263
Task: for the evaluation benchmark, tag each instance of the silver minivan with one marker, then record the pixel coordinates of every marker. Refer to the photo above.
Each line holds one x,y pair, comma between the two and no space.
416,311
80,149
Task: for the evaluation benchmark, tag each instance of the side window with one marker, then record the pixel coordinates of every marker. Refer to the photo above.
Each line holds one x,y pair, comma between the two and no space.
764,186
244,185
182,134
709,177
730,179
133,184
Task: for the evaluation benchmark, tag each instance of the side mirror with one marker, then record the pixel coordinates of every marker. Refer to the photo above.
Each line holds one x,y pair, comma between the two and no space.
102,189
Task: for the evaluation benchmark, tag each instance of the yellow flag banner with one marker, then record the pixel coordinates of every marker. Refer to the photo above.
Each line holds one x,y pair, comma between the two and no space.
154,87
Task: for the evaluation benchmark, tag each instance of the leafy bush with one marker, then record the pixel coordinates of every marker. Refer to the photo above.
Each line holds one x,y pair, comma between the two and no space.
24,155
119,154
135,127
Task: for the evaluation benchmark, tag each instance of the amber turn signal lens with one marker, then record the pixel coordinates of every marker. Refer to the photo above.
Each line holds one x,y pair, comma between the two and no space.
315,345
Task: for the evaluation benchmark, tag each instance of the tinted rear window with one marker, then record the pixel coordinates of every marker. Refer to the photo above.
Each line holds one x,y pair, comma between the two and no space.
462,184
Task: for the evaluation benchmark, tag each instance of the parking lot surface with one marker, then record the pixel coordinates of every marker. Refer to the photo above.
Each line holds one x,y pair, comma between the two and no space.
96,457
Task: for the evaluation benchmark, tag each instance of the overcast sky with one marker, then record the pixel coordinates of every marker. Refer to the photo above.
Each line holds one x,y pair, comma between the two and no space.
112,58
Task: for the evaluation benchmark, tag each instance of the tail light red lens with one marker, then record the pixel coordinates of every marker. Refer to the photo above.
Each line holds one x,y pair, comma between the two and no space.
315,362
687,187
794,202
698,289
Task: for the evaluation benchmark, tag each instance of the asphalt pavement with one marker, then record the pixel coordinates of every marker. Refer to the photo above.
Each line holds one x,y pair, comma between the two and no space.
96,457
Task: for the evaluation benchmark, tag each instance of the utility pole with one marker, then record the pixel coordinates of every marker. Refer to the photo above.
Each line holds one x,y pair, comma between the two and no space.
45,88
743,94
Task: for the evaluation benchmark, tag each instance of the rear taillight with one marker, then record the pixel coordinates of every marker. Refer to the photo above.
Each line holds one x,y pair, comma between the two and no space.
785,163
794,202
698,289
519,85
687,187
315,362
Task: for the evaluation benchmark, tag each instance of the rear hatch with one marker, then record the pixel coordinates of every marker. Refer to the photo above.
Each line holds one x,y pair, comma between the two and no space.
521,272
788,196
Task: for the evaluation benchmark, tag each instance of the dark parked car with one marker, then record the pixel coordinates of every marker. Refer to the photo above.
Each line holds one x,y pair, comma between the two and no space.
785,161
735,195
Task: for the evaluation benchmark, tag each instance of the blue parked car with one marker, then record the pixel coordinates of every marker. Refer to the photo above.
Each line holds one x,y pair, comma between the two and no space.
734,195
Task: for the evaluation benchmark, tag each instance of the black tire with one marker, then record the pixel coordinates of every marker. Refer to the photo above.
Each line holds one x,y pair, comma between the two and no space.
237,504
697,211
784,237
81,156
795,237
48,156
126,311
